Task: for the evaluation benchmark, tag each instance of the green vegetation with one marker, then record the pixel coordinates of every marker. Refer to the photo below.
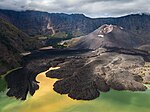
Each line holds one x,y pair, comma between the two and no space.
7,102
13,42
60,46
3,84
14,39
112,101
115,101
54,40
59,35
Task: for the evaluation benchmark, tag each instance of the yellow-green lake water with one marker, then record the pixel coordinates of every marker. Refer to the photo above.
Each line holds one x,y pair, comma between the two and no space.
46,100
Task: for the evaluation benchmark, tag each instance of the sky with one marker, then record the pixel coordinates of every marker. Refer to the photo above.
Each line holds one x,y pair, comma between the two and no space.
90,8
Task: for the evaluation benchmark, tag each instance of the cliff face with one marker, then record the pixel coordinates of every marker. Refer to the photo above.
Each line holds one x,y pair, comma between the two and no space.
12,43
40,23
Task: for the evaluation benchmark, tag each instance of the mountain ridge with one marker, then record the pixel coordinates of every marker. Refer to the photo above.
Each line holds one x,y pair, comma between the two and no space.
36,22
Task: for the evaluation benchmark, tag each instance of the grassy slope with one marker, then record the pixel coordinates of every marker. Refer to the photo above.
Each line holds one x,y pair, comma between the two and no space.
12,42
3,84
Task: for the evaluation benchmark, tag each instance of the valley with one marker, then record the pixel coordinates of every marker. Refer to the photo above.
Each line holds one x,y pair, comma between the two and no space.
71,63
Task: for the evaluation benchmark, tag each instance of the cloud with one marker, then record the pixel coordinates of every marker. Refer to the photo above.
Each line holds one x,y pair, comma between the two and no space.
92,8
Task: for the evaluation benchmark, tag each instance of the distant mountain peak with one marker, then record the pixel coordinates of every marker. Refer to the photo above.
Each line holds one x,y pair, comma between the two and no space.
109,35
144,13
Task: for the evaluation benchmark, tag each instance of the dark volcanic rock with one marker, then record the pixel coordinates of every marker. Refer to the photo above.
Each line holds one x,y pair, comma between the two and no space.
81,75
124,80
83,84
98,74
20,83
67,69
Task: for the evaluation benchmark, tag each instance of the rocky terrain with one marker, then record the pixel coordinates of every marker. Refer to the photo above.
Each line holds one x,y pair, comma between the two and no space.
108,58
43,23
22,81
82,74
85,78
145,47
